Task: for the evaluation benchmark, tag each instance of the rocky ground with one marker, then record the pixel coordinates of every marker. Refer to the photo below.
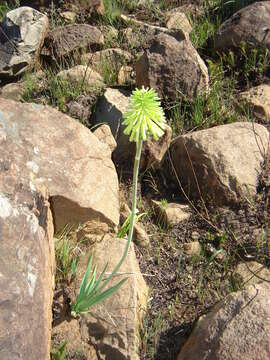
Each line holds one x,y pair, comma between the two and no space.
201,247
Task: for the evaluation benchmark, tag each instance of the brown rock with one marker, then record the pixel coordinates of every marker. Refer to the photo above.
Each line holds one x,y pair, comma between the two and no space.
82,74
113,325
178,20
104,134
170,214
258,99
192,248
172,67
251,273
66,157
226,160
26,259
13,91
126,75
237,328
63,41
249,25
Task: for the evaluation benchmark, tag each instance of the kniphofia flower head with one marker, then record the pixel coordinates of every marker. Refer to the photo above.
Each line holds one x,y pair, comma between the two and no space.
144,115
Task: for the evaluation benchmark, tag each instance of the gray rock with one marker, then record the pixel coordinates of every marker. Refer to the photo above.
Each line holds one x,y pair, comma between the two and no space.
173,68
176,19
226,159
251,273
171,214
66,157
104,134
22,34
237,328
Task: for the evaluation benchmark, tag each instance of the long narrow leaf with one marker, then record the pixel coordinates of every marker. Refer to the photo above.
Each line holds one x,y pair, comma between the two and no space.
86,277
91,283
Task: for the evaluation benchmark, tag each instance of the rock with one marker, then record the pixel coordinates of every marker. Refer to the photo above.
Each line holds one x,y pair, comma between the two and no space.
126,76
69,16
112,327
226,160
108,59
67,158
82,74
172,67
81,108
237,328
249,25
104,134
178,20
170,214
140,235
109,110
22,33
64,41
192,248
258,99
251,273
27,256
144,34
13,91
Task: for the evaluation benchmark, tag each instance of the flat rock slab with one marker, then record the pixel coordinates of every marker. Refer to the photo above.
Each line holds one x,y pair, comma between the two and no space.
64,41
66,157
237,328
22,34
249,25
26,263
113,325
226,160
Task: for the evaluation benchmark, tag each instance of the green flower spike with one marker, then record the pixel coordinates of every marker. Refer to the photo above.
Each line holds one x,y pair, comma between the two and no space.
144,115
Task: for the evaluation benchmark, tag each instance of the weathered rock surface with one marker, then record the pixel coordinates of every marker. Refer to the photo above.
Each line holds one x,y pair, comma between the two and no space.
176,19
82,74
81,108
113,326
12,91
110,109
22,34
104,134
141,34
172,67
170,214
258,99
64,41
67,158
251,273
226,160
249,25
192,248
237,328
26,258
126,75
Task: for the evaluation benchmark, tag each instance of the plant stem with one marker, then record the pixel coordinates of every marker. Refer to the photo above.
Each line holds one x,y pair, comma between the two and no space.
133,211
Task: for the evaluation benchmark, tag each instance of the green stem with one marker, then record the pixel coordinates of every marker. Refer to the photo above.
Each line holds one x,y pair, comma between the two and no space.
133,211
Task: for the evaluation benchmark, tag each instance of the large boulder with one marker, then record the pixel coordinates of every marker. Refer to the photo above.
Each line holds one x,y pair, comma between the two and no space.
22,33
67,158
63,41
173,68
224,161
113,326
109,110
237,328
26,255
249,25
